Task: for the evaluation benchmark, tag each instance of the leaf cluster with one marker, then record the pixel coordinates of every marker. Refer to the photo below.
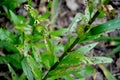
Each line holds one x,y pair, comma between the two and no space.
35,48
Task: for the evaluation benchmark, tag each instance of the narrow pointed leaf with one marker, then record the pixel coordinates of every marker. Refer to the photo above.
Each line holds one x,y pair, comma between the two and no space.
27,70
7,36
11,58
14,18
108,26
55,7
107,74
100,60
8,46
73,25
85,49
114,51
13,74
36,68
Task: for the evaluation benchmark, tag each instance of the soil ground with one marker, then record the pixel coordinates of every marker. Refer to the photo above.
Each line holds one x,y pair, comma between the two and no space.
66,14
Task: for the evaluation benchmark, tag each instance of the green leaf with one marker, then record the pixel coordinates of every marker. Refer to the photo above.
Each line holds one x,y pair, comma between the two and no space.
81,79
58,49
88,14
74,62
90,38
102,13
108,38
70,64
99,60
19,21
73,25
104,1
75,58
2,60
22,76
14,3
68,77
21,1
91,8
35,50
70,42
110,25
72,58
50,50
14,59
84,72
71,28
114,51
7,36
27,69
47,59
14,75
85,49
9,47
35,67
44,17
49,45
64,71
76,70
14,18
80,31
33,12
59,32
6,10
55,7
27,29
107,74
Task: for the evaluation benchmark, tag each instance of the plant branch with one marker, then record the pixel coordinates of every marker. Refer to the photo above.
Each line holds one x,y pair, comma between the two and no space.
69,49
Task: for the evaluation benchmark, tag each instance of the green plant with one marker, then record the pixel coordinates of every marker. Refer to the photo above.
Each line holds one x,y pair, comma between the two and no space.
10,5
37,50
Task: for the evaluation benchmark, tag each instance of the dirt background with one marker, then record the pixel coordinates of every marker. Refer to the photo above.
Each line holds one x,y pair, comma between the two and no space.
67,11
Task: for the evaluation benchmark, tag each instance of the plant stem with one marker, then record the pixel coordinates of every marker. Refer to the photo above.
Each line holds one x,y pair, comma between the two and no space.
69,49
94,17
